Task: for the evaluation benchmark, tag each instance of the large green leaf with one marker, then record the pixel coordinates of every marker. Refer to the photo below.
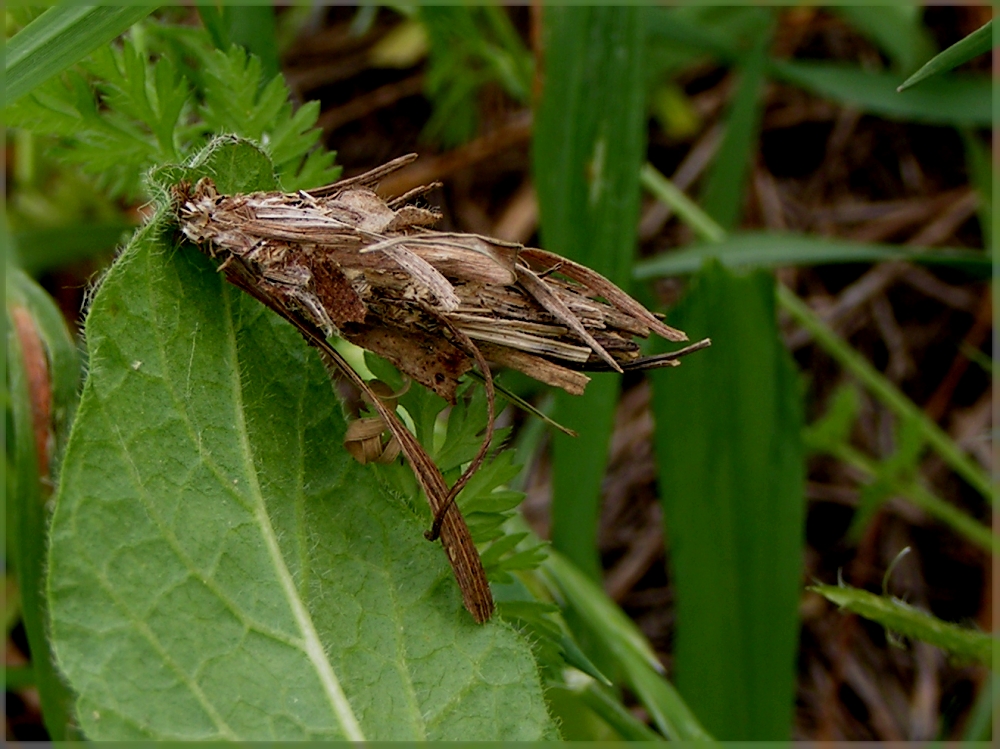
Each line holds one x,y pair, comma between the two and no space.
219,567
731,466
588,146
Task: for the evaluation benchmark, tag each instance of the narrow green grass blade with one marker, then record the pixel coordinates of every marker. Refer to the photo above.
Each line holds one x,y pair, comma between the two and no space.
31,484
586,164
731,465
60,37
904,619
686,209
977,43
754,249
950,100
897,29
724,191
633,653
886,392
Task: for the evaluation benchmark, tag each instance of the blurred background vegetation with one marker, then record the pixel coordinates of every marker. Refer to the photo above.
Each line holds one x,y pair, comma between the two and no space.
750,171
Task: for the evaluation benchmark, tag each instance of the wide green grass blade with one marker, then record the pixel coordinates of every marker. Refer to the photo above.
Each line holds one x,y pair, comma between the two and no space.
40,357
904,619
631,650
897,29
219,566
60,37
731,471
755,249
589,143
947,100
977,43
722,197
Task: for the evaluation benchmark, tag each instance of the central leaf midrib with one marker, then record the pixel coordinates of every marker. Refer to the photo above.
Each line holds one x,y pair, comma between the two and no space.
313,646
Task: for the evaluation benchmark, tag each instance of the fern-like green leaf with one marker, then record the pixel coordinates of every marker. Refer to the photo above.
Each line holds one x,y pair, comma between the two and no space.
236,102
123,111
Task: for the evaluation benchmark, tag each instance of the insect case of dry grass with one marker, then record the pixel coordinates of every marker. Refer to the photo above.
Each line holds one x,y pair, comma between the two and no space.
341,260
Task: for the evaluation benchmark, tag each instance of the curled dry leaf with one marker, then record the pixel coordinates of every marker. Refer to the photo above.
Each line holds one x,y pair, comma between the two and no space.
340,260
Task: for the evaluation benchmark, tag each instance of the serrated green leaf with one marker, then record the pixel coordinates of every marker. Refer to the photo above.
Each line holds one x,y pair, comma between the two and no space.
904,619
219,566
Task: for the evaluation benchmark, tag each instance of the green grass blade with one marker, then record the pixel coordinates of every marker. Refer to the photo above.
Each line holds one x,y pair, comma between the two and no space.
31,486
945,512
586,161
979,726
253,27
43,249
978,161
60,37
897,29
886,392
756,249
633,653
732,472
686,209
614,713
724,191
904,619
864,371
977,43
950,100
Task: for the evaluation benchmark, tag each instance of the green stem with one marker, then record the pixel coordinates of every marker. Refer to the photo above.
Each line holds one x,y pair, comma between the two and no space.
933,505
885,391
686,209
